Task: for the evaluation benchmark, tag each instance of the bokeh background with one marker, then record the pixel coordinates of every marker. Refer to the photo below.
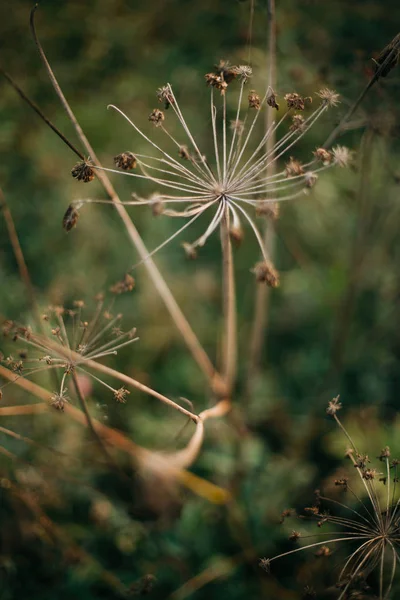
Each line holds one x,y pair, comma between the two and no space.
333,325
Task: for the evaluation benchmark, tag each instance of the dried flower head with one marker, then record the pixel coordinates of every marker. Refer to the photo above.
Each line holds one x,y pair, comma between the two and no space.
342,156
271,99
156,117
333,406
294,100
369,522
70,218
234,181
254,100
329,97
71,345
83,171
125,160
164,95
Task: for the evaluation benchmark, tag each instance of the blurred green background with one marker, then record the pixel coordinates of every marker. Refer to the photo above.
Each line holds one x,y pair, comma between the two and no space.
333,325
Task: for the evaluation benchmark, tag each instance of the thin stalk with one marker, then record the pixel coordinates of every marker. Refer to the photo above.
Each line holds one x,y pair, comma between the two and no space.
229,304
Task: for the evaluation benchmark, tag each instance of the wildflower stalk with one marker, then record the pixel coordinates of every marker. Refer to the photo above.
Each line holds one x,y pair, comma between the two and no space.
165,293
262,296
229,305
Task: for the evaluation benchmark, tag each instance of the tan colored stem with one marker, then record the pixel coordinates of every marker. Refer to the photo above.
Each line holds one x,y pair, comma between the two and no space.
229,307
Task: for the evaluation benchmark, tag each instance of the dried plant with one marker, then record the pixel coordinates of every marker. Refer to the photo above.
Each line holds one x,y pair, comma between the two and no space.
237,179
368,522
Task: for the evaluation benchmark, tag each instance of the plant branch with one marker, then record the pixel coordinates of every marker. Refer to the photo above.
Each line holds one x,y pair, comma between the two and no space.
229,306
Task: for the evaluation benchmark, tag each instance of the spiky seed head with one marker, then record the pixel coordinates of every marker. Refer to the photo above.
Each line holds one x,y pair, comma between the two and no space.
244,72
126,161
265,564
83,171
157,117
329,97
59,400
216,81
164,95
226,71
296,101
333,406
293,168
294,536
121,394
342,156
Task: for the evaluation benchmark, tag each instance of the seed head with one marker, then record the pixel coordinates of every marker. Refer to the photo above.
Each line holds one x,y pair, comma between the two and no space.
296,101
217,82
297,123
83,171
59,399
121,394
156,117
342,156
164,95
333,406
293,168
323,155
329,97
126,161
271,98
254,100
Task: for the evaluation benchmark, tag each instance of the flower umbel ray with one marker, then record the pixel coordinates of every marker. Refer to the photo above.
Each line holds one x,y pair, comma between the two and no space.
369,521
235,181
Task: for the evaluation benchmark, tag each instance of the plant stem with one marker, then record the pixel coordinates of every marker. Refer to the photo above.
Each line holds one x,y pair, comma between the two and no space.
257,337
229,358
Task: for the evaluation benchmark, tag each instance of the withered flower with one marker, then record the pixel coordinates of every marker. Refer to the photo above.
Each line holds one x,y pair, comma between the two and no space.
157,117
254,100
83,171
125,160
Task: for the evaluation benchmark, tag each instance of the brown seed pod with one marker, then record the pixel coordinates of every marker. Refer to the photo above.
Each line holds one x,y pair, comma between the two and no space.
70,218
126,161
82,171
